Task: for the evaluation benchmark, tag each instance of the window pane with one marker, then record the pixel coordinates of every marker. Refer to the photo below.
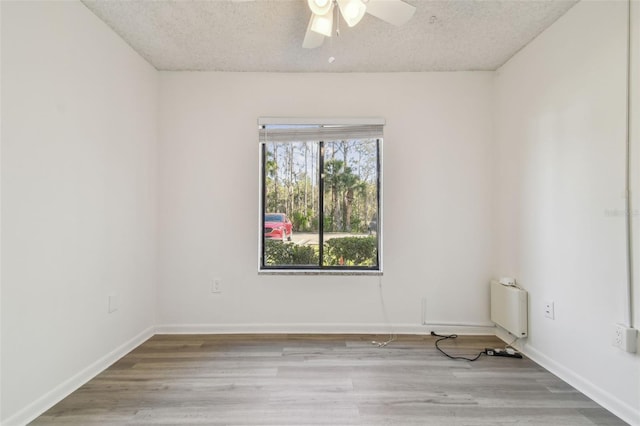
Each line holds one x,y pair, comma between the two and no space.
320,197
290,179
350,203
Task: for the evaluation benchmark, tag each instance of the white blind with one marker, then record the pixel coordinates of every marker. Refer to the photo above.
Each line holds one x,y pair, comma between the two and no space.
318,133
324,130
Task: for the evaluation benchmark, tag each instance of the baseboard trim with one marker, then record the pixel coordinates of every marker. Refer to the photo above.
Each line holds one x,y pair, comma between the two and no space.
467,329
274,328
621,409
57,394
319,328
509,338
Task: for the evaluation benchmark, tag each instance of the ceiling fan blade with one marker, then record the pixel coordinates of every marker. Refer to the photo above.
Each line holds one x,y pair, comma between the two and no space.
395,12
311,38
352,11
323,24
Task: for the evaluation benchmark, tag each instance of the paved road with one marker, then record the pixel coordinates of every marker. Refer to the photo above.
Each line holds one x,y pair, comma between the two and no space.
304,238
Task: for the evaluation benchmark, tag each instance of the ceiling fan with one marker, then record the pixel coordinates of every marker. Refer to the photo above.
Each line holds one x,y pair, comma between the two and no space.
395,12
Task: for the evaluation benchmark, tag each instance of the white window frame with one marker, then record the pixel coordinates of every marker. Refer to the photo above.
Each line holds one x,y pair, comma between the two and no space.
325,121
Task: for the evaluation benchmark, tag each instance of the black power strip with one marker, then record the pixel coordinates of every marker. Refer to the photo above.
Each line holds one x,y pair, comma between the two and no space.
509,353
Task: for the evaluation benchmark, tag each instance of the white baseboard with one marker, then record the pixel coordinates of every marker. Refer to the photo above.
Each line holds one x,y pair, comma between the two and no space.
621,409
316,328
467,329
303,328
509,338
48,400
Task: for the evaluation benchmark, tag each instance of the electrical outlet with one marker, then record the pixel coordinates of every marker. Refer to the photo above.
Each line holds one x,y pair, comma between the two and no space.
549,310
216,286
625,338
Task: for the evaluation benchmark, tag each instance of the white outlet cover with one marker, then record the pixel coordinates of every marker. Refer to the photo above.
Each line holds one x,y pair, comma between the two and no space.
549,310
625,338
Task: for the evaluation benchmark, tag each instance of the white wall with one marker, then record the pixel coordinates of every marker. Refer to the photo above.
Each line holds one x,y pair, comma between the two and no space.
78,200
635,155
560,144
437,201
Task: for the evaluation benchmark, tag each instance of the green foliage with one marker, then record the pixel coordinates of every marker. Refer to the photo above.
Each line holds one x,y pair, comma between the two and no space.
357,224
328,223
279,253
341,185
346,251
352,251
302,222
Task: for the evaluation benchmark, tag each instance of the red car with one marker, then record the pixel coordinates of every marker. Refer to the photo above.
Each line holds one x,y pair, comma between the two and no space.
277,226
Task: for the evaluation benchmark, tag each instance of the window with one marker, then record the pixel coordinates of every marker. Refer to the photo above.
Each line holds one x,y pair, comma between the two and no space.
320,185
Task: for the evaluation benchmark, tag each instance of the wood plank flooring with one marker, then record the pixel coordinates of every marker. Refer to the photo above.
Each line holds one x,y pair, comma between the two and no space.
322,380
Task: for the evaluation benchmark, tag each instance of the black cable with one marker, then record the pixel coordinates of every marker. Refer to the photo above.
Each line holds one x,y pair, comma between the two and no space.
453,336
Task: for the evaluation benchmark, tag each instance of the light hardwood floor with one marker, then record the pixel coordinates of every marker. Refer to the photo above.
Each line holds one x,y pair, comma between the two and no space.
322,380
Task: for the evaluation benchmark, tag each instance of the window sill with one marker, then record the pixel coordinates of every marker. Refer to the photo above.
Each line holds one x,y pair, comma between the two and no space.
317,272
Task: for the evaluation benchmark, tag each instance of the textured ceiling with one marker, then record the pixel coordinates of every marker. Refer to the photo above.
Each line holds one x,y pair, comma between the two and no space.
266,35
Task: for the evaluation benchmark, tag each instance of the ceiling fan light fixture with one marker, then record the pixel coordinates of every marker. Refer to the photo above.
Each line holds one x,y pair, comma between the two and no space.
352,11
320,7
323,24
396,12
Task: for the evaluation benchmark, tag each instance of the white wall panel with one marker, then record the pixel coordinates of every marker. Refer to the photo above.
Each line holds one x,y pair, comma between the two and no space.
437,200
560,148
79,199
